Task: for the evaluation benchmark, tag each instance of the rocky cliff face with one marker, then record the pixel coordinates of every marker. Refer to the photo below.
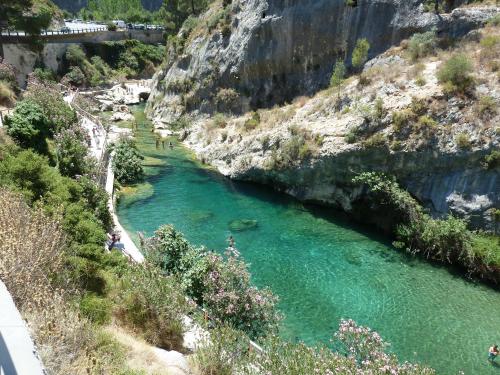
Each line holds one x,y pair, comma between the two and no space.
266,52
261,53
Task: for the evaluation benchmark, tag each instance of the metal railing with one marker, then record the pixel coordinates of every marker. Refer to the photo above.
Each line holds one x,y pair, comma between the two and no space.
55,32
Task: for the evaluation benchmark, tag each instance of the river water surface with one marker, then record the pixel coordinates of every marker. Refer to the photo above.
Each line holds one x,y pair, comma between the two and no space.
322,267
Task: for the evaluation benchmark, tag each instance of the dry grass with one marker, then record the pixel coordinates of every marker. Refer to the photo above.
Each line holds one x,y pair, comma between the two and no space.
139,354
32,267
7,95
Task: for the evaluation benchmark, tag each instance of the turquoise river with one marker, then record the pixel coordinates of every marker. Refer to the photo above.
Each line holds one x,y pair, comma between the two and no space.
322,266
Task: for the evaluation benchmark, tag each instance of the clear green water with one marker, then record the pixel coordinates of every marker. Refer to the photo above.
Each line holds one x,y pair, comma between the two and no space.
322,267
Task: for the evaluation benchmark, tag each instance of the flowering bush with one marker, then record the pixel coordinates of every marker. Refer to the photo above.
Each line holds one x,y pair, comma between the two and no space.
221,284
361,353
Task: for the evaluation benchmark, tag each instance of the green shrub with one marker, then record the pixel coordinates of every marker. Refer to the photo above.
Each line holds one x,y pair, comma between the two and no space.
360,53
418,106
494,21
72,152
44,75
425,124
375,141
127,162
153,305
351,136
420,81
111,26
222,353
378,109
401,119
75,77
252,122
463,141
455,76
227,100
421,45
28,126
446,240
75,55
492,160
220,284
7,95
487,106
49,98
220,120
95,308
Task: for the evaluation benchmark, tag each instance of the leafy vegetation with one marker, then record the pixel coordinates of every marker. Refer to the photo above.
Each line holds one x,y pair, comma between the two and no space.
444,240
421,45
220,284
455,74
360,53
99,64
127,162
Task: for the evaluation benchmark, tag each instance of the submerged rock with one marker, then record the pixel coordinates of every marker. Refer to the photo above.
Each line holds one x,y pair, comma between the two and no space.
241,225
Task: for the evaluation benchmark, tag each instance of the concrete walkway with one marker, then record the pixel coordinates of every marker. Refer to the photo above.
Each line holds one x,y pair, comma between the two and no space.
17,351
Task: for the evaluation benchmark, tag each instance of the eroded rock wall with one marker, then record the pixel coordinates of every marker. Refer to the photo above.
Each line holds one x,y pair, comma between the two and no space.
279,49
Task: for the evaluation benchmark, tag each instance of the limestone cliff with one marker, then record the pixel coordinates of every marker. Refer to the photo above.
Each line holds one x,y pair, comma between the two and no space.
256,53
283,50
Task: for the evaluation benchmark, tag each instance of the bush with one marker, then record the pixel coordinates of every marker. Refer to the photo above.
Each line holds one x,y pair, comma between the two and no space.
127,162
421,45
95,308
492,160
72,152
7,95
401,119
463,141
220,120
455,76
111,26
28,126
252,122
74,77
360,351
75,55
50,99
220,284
227,100
44,75
360,53
445,240
152,305
487,106
375,141
222,353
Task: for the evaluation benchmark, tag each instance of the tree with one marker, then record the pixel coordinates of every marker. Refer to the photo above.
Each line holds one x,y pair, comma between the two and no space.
127,162
72,152
28,126
338,75
360,53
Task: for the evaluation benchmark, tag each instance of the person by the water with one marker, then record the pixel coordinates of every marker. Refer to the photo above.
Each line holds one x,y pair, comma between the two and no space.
493,353
231,241
170,145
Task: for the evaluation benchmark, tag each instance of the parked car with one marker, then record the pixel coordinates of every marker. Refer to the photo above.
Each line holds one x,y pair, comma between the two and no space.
139,26
65,30
130,26
120,24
